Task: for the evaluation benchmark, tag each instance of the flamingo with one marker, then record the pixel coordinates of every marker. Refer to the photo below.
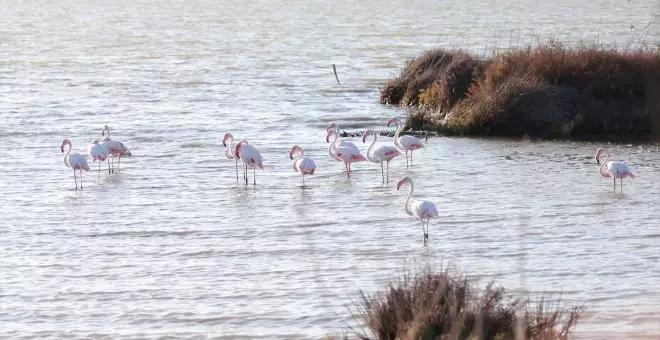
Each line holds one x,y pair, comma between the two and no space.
115,148
332,149
98,152
346,154
420,210
303,164
612,169
251,158
335,127
228,142
74,161
406,142
380,155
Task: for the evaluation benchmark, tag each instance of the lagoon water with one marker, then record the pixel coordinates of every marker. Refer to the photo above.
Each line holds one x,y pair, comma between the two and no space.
174,246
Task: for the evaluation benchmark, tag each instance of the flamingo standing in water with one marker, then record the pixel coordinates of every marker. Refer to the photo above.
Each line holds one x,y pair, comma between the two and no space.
421,210
228,142
75,161
302,164
382,154
250,157
115,148
334,128
98,152
406,142
612,169
347,154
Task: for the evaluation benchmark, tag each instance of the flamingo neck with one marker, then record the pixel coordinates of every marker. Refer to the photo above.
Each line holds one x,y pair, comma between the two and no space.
399,128
603,165
66,156
410,193
104,131
370,152
332,149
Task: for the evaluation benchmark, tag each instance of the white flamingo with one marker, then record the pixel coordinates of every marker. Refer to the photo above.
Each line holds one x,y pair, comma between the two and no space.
302,164
250,157
384,153
75,161
405,142
332,149
614,169
228,142
421,210
335,127
98,152
115,148
346,154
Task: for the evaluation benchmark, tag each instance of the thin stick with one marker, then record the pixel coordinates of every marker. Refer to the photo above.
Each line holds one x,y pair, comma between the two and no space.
334,69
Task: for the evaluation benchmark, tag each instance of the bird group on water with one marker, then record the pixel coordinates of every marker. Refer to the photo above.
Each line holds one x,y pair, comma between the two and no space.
344,151
105,149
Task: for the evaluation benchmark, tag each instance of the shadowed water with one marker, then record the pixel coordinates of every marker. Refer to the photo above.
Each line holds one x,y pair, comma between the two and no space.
174,245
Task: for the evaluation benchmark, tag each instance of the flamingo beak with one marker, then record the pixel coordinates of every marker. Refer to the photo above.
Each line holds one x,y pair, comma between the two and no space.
597,160
224,144
62,147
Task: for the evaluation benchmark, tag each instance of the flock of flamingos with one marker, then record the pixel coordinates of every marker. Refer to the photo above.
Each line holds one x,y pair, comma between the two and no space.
347,152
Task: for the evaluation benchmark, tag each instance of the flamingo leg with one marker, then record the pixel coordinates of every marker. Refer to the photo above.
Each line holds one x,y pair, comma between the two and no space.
614,183
621,181
411,158
99,175
245,175
406,158
109,164
80,178
113,164
348,175
381,172
119,163
236,169
388,171
75,179
423,230
303,176
254,176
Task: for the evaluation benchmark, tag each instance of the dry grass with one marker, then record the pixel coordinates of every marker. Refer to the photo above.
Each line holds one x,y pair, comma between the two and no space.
547,91
442,305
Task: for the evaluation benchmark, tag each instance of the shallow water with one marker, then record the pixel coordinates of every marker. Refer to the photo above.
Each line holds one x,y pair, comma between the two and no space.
174,245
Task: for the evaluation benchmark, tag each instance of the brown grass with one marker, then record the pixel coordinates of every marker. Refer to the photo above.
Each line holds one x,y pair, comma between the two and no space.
442,305
547,91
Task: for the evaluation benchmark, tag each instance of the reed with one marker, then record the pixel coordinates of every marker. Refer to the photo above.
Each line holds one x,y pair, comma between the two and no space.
446,305
548,91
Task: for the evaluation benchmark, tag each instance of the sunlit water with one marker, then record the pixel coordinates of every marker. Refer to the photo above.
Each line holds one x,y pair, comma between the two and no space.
174,245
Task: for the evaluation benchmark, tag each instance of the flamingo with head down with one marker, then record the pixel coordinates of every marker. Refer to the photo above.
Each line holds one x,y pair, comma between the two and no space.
75,161
421,210
405,142
302,164
250,157
384,153
98,152
614,169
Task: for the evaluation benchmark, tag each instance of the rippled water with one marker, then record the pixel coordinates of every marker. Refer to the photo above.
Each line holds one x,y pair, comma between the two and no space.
173,245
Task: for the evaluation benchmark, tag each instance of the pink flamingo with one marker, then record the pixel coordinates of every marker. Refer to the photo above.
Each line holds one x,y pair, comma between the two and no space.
612,169
421,210
115,148
302,164
336,143
345,153
98,152
228,142
250,157
380,155
405,142
74,161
